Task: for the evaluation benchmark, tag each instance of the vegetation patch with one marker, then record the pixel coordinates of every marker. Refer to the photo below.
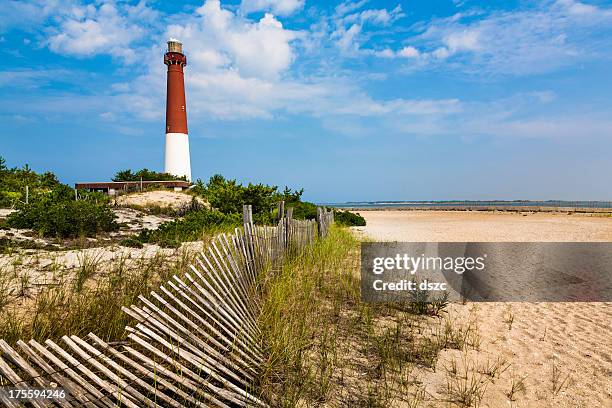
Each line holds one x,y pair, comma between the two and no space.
193,227
324,347
228,196
58,214
131,243
89,301
13,183
146,175
349,219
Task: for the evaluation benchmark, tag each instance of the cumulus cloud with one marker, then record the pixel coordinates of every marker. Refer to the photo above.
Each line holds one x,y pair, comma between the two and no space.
278,7
219,39
408,52
90,30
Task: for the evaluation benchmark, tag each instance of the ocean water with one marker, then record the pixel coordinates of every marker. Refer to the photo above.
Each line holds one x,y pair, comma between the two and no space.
458,203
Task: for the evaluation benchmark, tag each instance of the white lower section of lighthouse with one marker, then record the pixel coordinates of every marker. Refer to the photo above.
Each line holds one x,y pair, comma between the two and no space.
178,162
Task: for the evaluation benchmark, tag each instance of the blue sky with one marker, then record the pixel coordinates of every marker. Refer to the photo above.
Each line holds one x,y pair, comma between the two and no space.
366,100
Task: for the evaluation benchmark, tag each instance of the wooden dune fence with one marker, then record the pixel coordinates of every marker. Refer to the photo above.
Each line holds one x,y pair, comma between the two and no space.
194,342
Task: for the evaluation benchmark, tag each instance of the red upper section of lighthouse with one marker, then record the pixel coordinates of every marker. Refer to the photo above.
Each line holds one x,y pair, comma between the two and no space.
176,108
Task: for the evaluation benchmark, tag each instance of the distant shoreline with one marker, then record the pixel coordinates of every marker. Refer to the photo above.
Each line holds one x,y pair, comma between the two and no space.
482,208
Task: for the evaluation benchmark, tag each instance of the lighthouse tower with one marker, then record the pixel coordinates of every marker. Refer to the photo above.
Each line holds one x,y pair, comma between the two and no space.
177,160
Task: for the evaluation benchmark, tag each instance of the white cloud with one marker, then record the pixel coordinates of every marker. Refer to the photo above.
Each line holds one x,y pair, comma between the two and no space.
408,52
577,7
520,42
278,7
346,38
90,30
349,6
385,53
373,16
466,40
348,26
219,39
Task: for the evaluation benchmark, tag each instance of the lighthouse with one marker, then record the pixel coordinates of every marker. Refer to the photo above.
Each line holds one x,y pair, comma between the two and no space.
177,161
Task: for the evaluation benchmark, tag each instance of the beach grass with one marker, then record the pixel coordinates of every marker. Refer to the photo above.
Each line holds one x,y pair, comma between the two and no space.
324,347
89,299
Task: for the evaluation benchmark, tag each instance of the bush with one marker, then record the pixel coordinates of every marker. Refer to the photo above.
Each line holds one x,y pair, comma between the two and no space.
145,175
168,243
190,228
56,215
131,243
228,196
13,182
303,210
349,219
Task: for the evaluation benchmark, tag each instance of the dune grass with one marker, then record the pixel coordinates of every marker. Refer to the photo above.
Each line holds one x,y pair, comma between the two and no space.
89,299
294,296
324,347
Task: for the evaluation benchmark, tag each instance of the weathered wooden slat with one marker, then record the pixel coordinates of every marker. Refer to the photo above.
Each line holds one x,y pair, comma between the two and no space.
234,305
101,397
231,272
159,370
92,395
191,335
123,389
236,343
232,392
123,371
30,371
238,277
141,370
232,329
72,389
222,307
212,362
186,371
12,376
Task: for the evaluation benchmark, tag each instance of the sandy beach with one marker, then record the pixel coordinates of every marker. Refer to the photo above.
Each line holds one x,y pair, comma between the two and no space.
561,352
471,226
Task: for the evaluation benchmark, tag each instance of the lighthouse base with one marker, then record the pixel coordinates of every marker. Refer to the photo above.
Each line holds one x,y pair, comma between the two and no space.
178,162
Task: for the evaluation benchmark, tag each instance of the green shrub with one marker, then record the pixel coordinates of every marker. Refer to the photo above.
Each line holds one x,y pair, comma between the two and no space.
168,243
303,210
131,243
56,215
145,175
191,227
349,219
13,182
228,196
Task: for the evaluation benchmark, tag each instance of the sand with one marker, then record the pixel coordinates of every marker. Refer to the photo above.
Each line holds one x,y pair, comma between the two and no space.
563,351
161,198
468,226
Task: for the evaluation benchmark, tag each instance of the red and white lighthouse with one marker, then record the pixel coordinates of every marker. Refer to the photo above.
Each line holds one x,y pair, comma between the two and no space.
177,160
